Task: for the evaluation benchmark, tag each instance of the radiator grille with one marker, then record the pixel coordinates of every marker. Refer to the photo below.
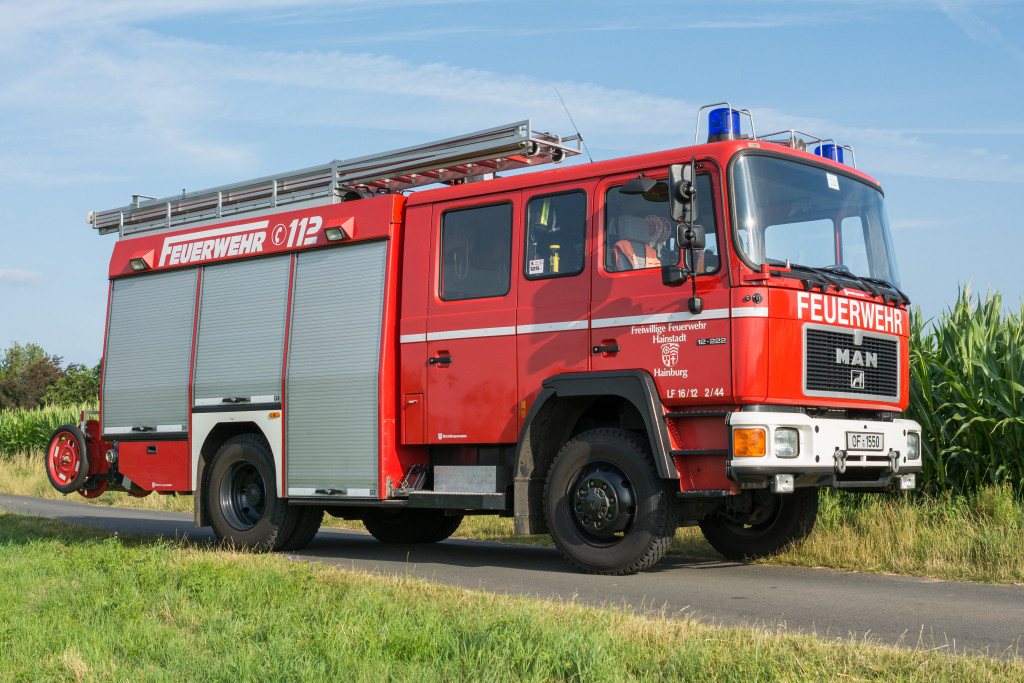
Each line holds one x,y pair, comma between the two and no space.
835,365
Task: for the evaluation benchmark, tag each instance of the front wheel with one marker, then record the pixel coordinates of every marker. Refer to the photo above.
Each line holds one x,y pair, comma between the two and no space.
760,523
245,509
606,509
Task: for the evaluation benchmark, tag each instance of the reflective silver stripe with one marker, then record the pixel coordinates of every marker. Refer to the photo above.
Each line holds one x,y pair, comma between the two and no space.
257,225
599,323
714,314
357,493
159,428
464,334
552,327
750,312
265,398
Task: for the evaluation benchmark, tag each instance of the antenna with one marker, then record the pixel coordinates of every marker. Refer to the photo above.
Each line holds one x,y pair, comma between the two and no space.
578,133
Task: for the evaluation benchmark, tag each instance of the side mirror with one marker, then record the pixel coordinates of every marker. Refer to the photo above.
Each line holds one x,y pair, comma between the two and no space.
691,237
682,193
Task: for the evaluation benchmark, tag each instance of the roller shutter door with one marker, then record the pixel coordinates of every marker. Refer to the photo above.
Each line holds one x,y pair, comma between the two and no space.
148,355
332,381
240,343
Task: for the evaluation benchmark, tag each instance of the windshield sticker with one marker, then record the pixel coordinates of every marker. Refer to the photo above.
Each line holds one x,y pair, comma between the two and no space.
833,181
536,266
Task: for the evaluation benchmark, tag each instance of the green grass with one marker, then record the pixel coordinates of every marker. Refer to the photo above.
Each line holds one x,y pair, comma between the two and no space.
82,605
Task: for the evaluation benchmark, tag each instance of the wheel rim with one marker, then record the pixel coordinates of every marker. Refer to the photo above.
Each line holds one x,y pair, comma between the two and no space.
64,458
243,495
602,502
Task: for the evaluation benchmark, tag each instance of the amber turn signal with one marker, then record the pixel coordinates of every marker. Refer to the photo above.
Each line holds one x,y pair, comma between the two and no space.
749,442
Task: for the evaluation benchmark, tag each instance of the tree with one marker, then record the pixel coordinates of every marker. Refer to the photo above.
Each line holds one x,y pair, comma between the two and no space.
26,389
80,384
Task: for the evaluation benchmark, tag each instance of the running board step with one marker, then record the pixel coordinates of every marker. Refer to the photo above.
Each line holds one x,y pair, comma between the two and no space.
700,451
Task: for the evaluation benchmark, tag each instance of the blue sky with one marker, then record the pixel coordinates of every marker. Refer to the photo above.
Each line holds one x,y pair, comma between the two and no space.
99,100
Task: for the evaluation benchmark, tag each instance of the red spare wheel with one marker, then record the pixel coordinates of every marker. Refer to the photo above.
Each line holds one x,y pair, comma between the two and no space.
67,461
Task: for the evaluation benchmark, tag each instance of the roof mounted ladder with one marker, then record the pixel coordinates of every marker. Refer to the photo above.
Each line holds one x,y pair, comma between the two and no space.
512,146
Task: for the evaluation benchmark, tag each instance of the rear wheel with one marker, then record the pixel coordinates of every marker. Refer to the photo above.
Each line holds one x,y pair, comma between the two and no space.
245,509
408,525
607,510
67,460
760,523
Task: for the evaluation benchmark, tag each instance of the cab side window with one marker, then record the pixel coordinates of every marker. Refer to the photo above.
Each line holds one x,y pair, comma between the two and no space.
555,235
639,233
476,252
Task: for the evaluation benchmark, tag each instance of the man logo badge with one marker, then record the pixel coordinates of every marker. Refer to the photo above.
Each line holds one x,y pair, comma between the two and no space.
856,379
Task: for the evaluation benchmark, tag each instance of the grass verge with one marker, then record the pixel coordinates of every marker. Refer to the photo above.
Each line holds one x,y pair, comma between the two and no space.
977,537
81,604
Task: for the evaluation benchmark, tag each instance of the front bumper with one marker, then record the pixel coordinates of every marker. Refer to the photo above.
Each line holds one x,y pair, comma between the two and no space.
824,457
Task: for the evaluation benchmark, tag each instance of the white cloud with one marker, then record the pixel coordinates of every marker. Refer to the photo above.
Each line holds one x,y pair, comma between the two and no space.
14,277
129,99
976,28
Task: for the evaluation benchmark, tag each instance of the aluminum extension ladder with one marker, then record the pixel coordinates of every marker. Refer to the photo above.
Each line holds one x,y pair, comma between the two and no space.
507,147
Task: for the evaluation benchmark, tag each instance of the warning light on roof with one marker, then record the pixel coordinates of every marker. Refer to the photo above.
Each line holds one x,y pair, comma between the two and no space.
723,124
833,152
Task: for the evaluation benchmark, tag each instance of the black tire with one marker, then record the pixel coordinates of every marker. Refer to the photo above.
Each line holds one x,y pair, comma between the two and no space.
310,519
771,524
409,525
606,509
245,510
67,459
448,526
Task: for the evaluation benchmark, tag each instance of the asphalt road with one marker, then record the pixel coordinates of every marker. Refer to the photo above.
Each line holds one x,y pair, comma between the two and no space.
906,611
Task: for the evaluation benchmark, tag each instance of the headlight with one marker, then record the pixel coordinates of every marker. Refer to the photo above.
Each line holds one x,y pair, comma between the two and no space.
787,442
913,446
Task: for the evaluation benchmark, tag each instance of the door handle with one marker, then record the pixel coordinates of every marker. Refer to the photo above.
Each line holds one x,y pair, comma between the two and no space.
440,359
610,348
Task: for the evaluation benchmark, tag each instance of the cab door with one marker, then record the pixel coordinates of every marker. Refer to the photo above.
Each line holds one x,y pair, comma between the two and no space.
554,288
471,321
639,323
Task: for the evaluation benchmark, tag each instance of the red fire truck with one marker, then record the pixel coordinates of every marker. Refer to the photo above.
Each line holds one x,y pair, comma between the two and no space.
602,351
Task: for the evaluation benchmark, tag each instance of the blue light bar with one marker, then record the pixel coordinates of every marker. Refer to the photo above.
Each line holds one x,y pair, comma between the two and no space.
833,152
723,124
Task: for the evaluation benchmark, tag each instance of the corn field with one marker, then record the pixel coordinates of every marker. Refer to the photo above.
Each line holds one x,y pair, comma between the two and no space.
966,376
25,431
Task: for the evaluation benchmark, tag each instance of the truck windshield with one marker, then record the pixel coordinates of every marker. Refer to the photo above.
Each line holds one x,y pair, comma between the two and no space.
811,216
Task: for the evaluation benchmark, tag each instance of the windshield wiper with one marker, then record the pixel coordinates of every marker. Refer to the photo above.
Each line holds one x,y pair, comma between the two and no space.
823,279
821,276
892,287
846,272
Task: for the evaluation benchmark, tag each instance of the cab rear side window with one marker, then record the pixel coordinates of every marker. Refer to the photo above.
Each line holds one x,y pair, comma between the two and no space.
556,229
476,252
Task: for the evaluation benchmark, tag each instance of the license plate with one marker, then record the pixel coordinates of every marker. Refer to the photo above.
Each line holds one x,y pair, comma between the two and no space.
863,441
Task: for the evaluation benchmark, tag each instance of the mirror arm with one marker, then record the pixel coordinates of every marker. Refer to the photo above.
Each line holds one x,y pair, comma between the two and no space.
695,304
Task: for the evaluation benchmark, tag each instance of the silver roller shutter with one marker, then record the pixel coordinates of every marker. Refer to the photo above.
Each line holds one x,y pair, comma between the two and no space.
149,351
333,357
240,340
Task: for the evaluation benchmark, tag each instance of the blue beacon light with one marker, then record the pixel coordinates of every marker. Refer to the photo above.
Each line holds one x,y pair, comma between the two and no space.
723,124
833,152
